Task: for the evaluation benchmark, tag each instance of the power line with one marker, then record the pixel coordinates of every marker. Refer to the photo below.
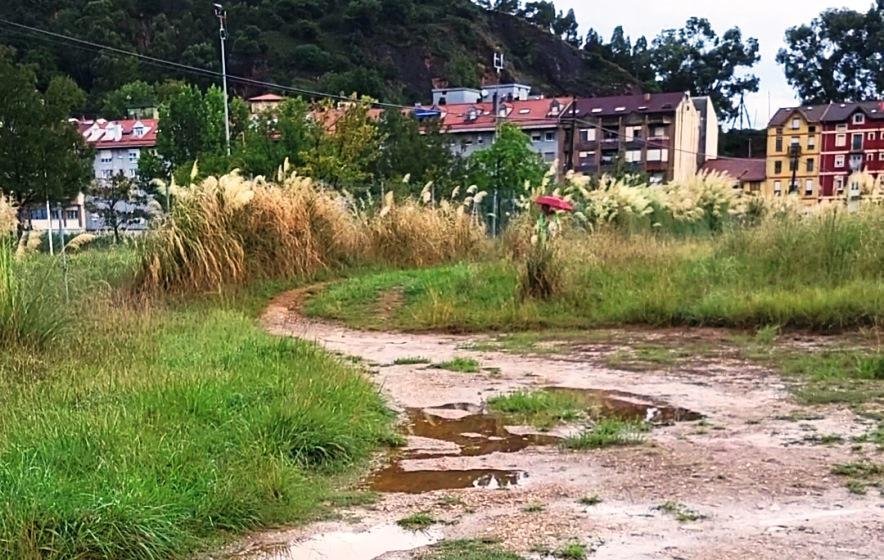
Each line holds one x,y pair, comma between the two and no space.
84,44
91,45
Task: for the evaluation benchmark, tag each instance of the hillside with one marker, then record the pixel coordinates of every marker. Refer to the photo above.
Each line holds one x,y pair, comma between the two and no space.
392,49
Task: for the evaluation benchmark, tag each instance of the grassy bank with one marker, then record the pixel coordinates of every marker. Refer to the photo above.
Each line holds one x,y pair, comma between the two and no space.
819,273
154,431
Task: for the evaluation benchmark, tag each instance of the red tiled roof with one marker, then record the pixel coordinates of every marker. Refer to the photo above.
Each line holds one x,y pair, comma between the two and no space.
107,135
616,105
749,170
267,97
530,113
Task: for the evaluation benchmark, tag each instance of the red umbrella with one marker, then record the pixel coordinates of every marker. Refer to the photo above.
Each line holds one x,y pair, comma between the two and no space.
550,204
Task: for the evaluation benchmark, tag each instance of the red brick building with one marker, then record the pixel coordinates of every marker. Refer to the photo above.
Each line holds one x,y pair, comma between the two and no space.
852,140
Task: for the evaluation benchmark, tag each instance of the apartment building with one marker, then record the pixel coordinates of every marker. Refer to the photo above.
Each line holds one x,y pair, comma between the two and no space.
664,135
794,145
853,141
118,144
473,125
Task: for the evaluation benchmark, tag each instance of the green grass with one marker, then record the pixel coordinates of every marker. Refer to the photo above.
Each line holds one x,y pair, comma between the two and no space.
417,521
593,500
681,512
410,361
459,365
821,273
469,550
608,432
861,475
543,409
572,551
152,432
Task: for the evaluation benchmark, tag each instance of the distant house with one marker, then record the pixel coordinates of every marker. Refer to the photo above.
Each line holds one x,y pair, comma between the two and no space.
748,175
118,144
664,135
473,125
266,102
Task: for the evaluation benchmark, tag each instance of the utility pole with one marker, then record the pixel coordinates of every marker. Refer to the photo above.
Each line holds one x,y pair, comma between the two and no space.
221,14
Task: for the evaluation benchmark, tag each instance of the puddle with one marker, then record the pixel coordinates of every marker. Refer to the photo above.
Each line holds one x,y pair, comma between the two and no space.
394,479
365,545
628,406
477,433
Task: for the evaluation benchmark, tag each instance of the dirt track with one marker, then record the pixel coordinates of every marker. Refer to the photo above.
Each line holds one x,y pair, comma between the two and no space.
750,469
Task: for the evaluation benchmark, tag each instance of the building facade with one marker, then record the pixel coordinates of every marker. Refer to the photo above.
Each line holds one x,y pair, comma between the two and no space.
474,125
748,175
657,134
853,141
794,145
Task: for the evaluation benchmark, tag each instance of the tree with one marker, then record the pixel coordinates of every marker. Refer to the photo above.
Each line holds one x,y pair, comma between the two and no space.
134,95
346,155
42,156
119,202
418,150
839,56
191,127
507,164
285,132
696,59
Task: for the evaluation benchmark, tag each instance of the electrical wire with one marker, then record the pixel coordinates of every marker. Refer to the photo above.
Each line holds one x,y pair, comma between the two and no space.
59,38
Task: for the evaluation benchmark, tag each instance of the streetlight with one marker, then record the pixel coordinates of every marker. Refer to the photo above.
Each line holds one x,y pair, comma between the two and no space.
221,14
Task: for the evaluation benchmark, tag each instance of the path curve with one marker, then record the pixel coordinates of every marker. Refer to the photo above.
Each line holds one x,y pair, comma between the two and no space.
765,493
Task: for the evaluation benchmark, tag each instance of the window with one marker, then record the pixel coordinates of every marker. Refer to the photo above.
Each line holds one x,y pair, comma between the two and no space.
840,140
588,134
633,156
138,131
857,143
586,155
658,155
811,142
839,161
779,147
777,167
839,185
550,136
870,136
107,156
480,139
808,187
794,141
38,213
809,165
859,118
658,132
633,133
841,128
107,173
796,123
549,156
72,215
778,188
870,157
881,156
811,129
536,137
856,162
133,156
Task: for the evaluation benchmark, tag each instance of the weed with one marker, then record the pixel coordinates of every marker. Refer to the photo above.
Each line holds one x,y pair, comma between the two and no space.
593,500
572,551
412,361
417,521
539,408
459,365
862,469
681,512
608,432
469,550
857,487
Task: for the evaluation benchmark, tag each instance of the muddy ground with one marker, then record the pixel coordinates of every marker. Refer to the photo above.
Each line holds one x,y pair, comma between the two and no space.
752,469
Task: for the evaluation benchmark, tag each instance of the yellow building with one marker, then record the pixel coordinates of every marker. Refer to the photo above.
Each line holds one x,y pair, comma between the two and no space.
794,143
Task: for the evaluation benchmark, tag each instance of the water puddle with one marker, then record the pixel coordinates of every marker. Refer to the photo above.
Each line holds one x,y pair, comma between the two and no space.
365,545
627,406
476,433
394,479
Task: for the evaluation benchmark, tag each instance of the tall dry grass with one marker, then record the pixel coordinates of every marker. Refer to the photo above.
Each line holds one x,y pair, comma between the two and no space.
231,230
8,216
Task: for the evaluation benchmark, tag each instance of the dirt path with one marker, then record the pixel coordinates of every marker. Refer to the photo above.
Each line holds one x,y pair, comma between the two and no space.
750,469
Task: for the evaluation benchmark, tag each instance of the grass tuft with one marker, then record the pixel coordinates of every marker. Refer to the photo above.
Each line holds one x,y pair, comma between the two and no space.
608,432
411,361
593,500
469,550
417,521
538,408
459,365
681,512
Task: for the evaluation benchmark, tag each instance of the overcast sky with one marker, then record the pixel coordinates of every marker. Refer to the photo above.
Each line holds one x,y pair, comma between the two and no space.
766,20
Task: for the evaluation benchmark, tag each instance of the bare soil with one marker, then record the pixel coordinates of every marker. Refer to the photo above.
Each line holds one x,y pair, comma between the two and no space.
751,468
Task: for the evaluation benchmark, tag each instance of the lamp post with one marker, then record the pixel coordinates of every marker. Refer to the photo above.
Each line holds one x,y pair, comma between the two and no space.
221,14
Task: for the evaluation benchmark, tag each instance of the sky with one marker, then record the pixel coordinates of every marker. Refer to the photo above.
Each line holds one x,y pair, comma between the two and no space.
766,20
